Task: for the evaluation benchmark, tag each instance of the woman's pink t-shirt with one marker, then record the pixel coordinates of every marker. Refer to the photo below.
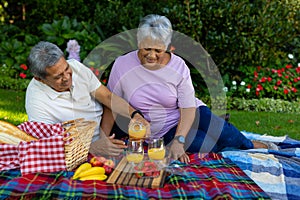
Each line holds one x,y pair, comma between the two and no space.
157,93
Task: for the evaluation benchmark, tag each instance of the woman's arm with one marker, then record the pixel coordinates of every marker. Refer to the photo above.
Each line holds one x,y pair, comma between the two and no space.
118,105
187,116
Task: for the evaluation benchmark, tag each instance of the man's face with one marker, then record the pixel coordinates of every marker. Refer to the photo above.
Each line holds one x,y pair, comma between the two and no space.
59,76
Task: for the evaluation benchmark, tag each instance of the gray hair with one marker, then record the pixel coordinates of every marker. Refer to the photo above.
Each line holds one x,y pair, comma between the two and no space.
157,27
43,55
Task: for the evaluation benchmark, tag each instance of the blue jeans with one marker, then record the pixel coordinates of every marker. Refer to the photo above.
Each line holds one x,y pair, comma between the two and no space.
211,133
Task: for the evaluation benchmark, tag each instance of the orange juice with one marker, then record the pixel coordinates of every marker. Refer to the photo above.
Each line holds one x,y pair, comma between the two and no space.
157,153
135,157
137,130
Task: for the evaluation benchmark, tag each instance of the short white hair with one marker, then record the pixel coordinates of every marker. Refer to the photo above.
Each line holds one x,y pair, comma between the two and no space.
155,27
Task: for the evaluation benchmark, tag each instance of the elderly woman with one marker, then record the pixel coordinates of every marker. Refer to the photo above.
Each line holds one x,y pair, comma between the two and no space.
158,84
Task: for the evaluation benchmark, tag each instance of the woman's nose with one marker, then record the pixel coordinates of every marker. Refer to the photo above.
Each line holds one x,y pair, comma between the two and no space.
151,54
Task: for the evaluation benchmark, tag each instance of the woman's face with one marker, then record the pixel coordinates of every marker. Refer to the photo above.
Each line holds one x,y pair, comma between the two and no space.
152,53
59,76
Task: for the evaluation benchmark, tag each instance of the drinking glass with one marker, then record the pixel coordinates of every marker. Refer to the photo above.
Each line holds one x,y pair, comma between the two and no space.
135,151
156,149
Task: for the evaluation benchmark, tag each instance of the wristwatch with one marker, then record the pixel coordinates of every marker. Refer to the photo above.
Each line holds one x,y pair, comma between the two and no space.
180,139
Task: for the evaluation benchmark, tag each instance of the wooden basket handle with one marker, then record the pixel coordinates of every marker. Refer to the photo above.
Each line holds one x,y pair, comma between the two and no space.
73,121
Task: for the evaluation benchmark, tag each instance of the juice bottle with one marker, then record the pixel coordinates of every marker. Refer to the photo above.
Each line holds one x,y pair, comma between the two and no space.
137,130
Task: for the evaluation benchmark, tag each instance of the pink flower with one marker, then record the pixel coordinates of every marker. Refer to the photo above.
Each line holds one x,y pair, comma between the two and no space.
279,82
104,81
172,48
269,79
259,88
255,74
96,72
274,71
289,66
22,75
23,66
73,48
285,91
263,79
294,90
258,68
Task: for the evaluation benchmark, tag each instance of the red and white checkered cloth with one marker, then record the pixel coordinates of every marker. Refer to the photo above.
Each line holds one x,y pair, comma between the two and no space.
41,130
45,155
9,157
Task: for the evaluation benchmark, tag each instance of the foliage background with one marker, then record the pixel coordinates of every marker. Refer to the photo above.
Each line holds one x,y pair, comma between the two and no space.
239,35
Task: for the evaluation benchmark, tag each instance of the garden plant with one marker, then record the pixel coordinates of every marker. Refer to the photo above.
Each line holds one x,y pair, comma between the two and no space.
255,45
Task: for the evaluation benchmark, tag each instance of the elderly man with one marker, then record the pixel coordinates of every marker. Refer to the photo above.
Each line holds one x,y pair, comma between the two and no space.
62,90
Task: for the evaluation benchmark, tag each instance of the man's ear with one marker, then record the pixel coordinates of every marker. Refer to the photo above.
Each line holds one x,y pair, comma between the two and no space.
38,79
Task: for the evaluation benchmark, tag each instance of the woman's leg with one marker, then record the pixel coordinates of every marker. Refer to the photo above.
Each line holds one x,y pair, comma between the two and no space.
213,132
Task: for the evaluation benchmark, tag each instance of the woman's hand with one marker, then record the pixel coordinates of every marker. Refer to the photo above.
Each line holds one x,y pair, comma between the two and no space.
177,152
107,146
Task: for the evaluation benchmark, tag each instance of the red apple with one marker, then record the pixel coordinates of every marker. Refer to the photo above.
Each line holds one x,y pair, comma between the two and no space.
108,169
102,159
110,163
98,161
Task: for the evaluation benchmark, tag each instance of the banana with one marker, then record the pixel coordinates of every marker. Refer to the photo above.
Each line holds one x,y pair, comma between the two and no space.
92,171
83,167
100,177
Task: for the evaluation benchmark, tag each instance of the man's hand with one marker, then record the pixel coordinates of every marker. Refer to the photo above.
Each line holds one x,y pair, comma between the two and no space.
177,152
107,146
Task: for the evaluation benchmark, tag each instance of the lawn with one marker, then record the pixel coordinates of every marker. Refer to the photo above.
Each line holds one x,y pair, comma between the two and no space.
277,124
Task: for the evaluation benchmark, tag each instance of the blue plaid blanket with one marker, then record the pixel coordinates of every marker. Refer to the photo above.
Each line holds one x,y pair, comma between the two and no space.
277,172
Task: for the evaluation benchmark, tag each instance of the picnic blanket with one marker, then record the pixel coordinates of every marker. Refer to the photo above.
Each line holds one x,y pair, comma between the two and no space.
277,172
208,176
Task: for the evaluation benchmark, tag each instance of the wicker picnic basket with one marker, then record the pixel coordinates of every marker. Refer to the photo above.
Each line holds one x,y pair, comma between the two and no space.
79,133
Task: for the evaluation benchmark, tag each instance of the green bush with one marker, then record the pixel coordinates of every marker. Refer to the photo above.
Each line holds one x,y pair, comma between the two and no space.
275,81
235,33
241,33
15,46
116,16
61,31
264,105
257,105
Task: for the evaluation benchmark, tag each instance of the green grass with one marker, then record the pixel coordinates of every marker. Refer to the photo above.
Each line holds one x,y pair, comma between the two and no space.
12,106
277,124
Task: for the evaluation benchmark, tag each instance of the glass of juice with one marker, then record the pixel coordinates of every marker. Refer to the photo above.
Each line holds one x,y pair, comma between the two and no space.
156,149
135,151
137,130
